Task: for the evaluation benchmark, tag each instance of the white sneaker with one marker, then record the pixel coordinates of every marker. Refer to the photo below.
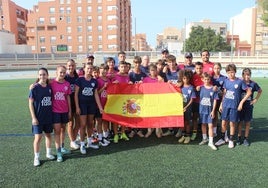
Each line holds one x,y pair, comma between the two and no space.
226,139
94,146
203,142
220,142
106,140
231,144
167,133
83,150
102,143
49,156
74,145
178,134
212,146
36,162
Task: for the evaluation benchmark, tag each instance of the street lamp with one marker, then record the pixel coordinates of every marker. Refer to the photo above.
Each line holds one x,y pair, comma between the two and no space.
36,35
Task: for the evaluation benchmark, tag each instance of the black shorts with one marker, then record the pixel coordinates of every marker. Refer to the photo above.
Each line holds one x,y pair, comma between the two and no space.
60,117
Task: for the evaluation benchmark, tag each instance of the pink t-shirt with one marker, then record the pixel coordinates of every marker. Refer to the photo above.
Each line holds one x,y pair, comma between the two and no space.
148,79
60,91
208,68
121,78
103,94
112,74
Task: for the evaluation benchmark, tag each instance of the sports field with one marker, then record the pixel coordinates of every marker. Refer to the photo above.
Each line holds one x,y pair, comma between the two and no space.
140,162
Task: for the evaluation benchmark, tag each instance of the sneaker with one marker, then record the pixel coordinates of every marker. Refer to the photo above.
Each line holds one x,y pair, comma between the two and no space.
149,132
231,144
246,142
83,150
132,134
178,134
93,146
168,133
140,134
203,142
74,145
220,142
102,143
187,140
49,156
105,140
226,139
65,151
124,137
239,141
193,137
116,138
181,140
36,162
59,157
212,146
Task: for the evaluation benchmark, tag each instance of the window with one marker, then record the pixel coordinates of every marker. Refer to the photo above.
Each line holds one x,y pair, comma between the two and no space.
112,17
89,19
89,48
79,9
42,49
61,37
53,49
69,29
110,8
89,9
89,28
42,39
79,19
53,39
222,31
110,37
68,10
68,1
99,38
69,38
89,38
79,1
52,20
52,10
68,19
62,10
99,28
41,20
99,9
80,39
112,46
99,1
100,47
80,48
89,1
79,29
99,18
111,27
70,48
61,2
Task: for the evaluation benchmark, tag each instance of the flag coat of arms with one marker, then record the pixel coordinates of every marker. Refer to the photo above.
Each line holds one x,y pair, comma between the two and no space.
146,105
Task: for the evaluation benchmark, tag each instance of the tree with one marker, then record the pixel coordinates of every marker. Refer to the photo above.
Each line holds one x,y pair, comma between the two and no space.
201,38
264,5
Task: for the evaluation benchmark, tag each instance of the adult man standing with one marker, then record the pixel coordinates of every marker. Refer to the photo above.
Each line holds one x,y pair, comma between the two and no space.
188,62
207,65
145,64
165,53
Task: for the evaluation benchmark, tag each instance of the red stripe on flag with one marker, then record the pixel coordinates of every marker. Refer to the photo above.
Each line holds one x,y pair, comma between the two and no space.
144,88
146,122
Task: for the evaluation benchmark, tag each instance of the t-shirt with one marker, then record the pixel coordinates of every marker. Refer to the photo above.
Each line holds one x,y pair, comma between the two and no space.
208,68
103,94
219,81
71,80
144,70
254,87
134,77
197,81
121,78
60,92
149,79
234,89
188,93
42,103
112,74
172,76
207,97
86,90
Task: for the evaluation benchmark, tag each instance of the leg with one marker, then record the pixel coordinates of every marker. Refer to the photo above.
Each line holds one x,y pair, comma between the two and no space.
48,146
36,147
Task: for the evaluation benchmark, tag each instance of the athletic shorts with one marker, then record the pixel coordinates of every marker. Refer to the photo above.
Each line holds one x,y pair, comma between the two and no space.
230,114
98,114
60,117
88,109
205,118
246,114
39,129
195,107
188,114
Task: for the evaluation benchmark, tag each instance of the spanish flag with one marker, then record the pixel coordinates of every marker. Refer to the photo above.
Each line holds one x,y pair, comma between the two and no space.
146,105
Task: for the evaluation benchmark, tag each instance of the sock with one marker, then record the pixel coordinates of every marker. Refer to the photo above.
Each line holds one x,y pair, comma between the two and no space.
59,149
36,155
49,151
239,137
106,133
62,145
226,134
223,135
231,137
89,140
215,130
82,143
204,136
210,140
100,136
245,138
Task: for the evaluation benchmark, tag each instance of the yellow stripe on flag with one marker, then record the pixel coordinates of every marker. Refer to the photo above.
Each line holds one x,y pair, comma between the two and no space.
146,105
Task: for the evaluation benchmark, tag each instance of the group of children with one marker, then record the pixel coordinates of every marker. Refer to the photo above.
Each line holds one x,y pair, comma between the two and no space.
79,100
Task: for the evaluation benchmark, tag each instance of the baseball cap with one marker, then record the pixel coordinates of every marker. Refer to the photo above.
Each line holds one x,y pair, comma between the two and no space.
165,50
188,54
90,56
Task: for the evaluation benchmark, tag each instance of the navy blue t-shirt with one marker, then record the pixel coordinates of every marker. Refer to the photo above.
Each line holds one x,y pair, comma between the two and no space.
134,77
42,103
86,90
145,70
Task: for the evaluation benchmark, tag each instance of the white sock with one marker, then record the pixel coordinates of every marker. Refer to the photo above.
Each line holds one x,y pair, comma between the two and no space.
106,133
215,130
36,155
226,134
210,140
89,140
82,143
100,136
204,136
49,151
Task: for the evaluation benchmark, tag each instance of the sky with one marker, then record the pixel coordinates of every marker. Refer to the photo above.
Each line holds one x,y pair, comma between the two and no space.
152,16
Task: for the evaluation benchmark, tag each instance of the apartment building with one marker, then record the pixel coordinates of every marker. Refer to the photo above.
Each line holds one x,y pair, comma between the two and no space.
79,26
139,42
13,19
